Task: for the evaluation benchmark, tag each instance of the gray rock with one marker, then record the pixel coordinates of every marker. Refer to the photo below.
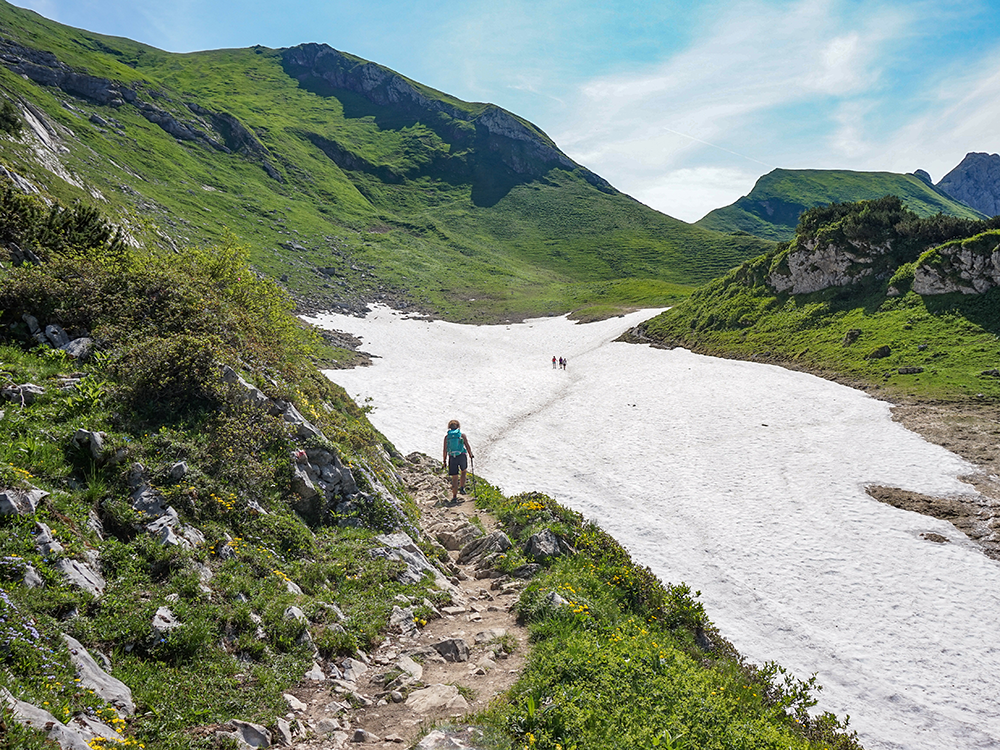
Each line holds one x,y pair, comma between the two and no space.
437,698
975,182
108,688
32,322
45,543
327,726
90,442
164,621
82,576
400,546
969,267
253,735
458,537
401,620
80,348
283,732
56,335
453,649
477,549
26,714
31,578
315,674
302,485
363,735
543,544
294,613
24,394
555,601
412,670
18,502
352,669
178,471
468,738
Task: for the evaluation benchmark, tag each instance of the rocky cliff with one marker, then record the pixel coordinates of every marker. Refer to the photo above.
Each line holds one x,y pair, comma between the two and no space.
976,182
970,266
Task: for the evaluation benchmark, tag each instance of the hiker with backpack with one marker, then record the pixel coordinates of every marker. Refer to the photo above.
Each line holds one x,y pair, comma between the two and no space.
456,455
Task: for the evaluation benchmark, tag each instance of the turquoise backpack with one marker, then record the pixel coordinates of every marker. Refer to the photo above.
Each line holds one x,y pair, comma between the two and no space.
456,446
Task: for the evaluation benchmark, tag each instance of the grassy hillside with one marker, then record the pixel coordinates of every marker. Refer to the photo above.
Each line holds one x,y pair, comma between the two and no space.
876,333
773,207
163,328
344,193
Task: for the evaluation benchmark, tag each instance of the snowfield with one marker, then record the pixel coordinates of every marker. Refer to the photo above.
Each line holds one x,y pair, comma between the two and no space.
745,481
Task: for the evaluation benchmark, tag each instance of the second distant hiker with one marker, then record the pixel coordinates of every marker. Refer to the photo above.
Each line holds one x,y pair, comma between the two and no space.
455,456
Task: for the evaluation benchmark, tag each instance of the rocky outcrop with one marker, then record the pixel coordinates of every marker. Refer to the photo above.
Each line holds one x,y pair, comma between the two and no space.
812,266
971,267
521,147
46,69
975,182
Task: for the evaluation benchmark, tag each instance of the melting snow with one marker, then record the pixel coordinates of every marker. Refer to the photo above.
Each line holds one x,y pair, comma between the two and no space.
745,481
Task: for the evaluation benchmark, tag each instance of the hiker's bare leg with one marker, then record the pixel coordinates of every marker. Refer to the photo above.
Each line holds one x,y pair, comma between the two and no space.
454,485
461,484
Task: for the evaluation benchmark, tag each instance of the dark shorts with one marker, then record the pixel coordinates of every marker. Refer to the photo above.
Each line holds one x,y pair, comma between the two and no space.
457,463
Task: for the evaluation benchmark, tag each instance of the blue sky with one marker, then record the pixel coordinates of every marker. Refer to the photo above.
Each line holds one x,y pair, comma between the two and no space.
682,105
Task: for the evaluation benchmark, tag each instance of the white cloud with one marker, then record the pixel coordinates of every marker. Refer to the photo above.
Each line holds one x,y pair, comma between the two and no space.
724,93
684,193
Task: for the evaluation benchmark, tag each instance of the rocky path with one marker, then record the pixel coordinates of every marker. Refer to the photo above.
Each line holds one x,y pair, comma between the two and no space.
422,674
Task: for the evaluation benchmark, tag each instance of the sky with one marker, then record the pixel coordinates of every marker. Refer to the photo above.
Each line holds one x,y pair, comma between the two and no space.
682,105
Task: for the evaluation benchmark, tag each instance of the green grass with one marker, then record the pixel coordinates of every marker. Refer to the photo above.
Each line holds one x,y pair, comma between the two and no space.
235,652
954,337
425,212
623,664
772,209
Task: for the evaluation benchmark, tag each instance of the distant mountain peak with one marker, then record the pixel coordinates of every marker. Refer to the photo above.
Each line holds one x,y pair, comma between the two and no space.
975,182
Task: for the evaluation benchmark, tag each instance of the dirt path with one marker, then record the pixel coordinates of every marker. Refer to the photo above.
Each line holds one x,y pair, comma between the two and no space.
422,675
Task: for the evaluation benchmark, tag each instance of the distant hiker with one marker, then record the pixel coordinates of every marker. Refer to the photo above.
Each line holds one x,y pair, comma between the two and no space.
553,361
455,456
564,363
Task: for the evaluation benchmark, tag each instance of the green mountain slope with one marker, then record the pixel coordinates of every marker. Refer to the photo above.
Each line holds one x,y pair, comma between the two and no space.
349,182
867,293
773,207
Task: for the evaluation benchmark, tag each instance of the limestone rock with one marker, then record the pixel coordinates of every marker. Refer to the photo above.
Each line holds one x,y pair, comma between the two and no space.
975,182
543,544
400,546
26,393
437,698
294,703
18,502
352,669
253,735
108,688
91,443
453,649
45,542
79,348
29,715
813,267
478,549
82,576
164,621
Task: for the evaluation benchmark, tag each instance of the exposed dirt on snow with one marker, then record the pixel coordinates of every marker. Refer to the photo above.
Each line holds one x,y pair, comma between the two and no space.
972,431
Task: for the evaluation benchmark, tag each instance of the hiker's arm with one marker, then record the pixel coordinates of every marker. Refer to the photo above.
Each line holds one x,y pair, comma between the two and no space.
467,446
444,451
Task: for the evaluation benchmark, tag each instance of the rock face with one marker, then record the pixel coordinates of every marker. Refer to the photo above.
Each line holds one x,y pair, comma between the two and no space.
812,267
971,267
499,138
975,182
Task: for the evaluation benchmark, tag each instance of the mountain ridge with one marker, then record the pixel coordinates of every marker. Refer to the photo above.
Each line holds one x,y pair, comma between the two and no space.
350,182
772,209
